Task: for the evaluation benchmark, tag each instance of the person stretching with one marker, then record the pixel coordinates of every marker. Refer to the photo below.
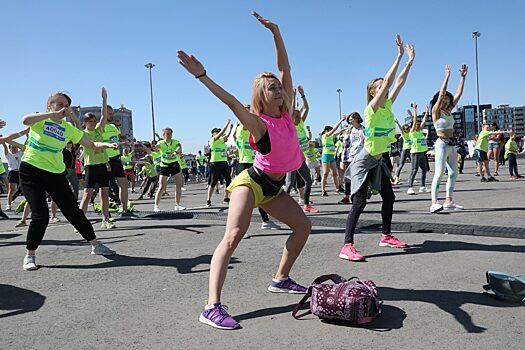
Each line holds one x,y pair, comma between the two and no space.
418,151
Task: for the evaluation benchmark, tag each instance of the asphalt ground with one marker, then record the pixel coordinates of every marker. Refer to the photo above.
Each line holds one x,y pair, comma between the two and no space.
149,296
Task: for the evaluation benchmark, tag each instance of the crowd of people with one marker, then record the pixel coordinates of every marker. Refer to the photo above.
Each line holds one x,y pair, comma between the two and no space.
274,154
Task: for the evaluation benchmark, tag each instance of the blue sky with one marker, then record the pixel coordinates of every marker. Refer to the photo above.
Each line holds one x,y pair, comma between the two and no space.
79,46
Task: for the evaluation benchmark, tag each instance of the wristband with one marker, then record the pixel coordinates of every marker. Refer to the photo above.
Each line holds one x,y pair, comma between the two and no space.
202,75
302,96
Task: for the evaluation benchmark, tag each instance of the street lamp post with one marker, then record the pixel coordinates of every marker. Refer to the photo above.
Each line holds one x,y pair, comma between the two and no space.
476,35
149,66
340,111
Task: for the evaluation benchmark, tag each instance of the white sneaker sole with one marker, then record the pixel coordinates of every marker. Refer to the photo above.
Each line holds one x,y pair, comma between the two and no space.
437,210
281,290
204,320
343,256
31,267
382,244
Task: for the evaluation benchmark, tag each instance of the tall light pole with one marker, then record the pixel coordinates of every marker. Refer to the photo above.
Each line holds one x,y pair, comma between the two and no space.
149,66
476,35
340,112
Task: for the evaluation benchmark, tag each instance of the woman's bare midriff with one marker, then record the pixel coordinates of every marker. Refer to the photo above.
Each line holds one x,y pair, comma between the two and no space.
445,133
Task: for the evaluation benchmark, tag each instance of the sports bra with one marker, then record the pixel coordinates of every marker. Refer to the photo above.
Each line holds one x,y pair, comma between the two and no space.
445,122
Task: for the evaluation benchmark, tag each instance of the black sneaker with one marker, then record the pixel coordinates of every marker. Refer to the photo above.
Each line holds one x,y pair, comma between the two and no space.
208,204
493,179
3,215
324,194
484,179
226,200
478,175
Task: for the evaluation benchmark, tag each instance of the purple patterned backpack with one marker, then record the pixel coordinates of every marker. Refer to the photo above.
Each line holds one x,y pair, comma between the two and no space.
353,301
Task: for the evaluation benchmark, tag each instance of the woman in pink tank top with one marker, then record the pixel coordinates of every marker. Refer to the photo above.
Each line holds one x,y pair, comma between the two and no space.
273,135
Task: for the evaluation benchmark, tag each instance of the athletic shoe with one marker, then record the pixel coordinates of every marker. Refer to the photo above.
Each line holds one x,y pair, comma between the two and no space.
300,201
340,190
484,179
286,286
106,224
183,188
126,214
411,191
3,215
29,263
513,178
423,190
226,200
208,204
270,225
218,317
7,207
156,209
452,206
345,200
391,241
217,191
435,208
477,174
101,249
493,179
54,220
309,209
246,236
496,174
520,176
20,224
324,194
348,252
179,207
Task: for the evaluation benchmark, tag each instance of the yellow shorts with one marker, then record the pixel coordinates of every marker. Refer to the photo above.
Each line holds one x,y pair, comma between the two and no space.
244,179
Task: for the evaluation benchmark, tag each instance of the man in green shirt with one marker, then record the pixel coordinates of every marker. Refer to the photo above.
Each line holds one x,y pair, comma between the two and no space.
482,145
201,165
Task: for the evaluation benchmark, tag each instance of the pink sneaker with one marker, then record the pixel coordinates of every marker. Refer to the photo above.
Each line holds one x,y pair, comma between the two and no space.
309,209
348,252
391,241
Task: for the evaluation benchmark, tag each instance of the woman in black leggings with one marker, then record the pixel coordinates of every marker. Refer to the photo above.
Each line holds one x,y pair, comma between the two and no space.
219,161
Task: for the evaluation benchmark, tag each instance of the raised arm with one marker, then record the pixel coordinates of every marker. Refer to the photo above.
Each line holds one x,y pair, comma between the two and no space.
399,126
401,80
424,119
305,108
34,118
282,57
250,121
336,126
14,135
104,113
414,117
98,146
21,146
74,118
6,151
226,137
463,73
309,132
343,129
442,92
223,130
388,80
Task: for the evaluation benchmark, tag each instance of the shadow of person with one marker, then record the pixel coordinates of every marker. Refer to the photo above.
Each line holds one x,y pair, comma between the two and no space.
448,246
9,235
19,300
183,265
447,300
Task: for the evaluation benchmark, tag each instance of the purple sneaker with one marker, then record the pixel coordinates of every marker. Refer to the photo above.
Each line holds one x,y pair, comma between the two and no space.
218,317
286,286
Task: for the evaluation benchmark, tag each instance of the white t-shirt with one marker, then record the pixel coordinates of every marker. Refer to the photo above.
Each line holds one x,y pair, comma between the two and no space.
14,160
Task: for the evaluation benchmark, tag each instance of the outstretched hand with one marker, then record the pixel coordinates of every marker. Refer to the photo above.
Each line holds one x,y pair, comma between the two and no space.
300,89
104,94
410,52
448,68
2,123
399,43
265,22
463,70
191,63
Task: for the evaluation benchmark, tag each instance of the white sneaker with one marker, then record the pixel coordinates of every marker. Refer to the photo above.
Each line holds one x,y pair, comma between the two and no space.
106,224
435,208
101,249
20,224
7,207
183,188
29,263
156,209
411,191
54,220
423,190
452,206
270,225
179,207
246,236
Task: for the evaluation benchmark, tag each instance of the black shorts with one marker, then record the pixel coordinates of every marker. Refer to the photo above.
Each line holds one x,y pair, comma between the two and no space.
97,174
117,170
482,155
171,169
13,177
218,171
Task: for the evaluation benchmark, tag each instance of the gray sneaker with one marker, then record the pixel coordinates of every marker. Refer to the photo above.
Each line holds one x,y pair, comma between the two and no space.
270,225
29,263
101,249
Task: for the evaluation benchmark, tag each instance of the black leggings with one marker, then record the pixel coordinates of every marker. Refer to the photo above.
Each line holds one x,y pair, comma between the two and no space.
219,170
405,154
359,203
35,183
153,181
264,215
419,160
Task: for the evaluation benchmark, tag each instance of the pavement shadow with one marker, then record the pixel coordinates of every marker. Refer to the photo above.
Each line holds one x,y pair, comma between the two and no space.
448,301
66,242
449,246
391,318
160,227
19,300
9,235
183,265
269,311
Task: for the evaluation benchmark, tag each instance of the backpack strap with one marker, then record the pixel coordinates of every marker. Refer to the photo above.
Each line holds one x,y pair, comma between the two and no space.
300,305
333,277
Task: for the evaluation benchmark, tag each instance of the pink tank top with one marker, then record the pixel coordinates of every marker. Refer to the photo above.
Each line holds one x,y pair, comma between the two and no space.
285,155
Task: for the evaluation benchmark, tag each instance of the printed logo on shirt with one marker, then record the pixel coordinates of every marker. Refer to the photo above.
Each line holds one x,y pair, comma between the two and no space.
55,131
114,139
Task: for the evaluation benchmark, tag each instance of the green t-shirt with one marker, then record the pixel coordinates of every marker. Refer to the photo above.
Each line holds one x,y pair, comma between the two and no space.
166,152
126,161
510,147
302,136
379,129
156,157
92,157
111,135
311,154
418,142
2,167
243,145
46,141
483,141
182,162
219,150
149,169
338,148
201,160
406,141
328,144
